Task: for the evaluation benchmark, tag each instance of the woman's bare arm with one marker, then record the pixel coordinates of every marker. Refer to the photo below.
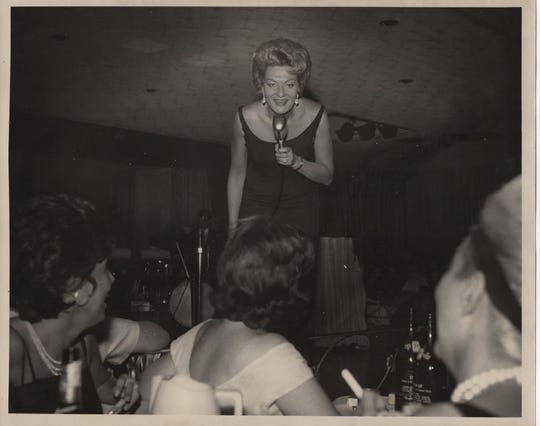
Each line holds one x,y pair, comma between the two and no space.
308,399
152,337
237,173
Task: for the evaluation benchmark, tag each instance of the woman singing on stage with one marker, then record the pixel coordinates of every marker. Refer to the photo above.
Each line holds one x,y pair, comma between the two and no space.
281,150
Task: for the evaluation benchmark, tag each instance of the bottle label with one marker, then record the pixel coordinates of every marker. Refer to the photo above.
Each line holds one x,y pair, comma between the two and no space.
74,372
391,402
406,386
423,394
71,383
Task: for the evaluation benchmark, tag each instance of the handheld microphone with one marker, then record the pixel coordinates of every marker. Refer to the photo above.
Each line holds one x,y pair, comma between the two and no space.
279,124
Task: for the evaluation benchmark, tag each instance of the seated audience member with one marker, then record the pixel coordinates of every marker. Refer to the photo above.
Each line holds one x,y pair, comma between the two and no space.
259,294
478,303
118,338
59,283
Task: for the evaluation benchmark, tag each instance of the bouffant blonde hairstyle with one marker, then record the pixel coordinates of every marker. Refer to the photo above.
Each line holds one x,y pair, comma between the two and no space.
281,52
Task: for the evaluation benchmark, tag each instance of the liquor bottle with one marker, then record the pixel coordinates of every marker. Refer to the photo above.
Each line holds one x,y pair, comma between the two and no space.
425,381
392,383
70,383
431,376
141,300
405,367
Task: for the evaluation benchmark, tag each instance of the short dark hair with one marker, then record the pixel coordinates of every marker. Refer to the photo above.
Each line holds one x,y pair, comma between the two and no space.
54,238
281,52
261,276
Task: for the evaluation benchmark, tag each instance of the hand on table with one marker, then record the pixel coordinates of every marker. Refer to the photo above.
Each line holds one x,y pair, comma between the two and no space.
372,403
126,393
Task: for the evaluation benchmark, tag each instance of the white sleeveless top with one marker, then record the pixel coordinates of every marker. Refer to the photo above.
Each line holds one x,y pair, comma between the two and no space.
262,382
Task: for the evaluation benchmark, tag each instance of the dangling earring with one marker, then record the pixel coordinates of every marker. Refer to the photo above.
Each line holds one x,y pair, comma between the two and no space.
263,100
296,101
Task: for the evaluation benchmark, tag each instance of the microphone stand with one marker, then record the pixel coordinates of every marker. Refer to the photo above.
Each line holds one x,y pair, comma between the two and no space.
196,286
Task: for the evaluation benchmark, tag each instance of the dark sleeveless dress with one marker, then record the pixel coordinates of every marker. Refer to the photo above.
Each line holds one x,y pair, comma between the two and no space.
274,190
40,395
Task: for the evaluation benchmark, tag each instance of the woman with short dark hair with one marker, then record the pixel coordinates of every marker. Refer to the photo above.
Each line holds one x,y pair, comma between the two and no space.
260,277
260,291
59,283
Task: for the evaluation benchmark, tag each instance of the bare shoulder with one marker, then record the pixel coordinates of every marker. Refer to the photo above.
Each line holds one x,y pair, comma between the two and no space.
312,107
263,344
257,344
268,341
440,409
252,110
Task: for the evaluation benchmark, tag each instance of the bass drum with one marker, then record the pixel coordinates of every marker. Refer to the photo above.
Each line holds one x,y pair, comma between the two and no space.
180,303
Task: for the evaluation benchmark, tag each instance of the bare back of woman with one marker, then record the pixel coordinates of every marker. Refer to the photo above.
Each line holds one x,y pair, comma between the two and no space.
223,348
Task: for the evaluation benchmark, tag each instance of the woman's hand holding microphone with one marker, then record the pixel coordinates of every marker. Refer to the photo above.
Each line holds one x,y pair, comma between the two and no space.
286,157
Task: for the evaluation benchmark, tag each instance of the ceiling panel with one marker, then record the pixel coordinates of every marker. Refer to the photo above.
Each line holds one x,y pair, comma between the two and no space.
184,71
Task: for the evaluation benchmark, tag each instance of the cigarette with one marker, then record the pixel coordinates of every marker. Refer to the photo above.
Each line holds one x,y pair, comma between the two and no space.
353,384
117,407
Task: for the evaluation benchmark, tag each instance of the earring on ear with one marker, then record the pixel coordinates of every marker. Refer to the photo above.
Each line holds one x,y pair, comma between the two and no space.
82,295
297,101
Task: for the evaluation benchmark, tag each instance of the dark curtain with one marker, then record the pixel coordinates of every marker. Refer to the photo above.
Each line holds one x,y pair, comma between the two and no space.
413,207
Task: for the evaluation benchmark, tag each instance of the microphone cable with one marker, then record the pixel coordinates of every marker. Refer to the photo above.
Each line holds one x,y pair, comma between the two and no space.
278,199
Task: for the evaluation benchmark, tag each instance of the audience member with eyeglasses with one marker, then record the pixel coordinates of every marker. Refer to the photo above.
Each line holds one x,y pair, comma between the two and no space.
59,283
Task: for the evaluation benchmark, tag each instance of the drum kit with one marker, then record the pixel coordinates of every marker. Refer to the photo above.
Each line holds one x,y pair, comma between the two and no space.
189,301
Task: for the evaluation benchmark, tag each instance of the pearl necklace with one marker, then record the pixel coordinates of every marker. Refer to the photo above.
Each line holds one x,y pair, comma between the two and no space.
475,385
54,366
